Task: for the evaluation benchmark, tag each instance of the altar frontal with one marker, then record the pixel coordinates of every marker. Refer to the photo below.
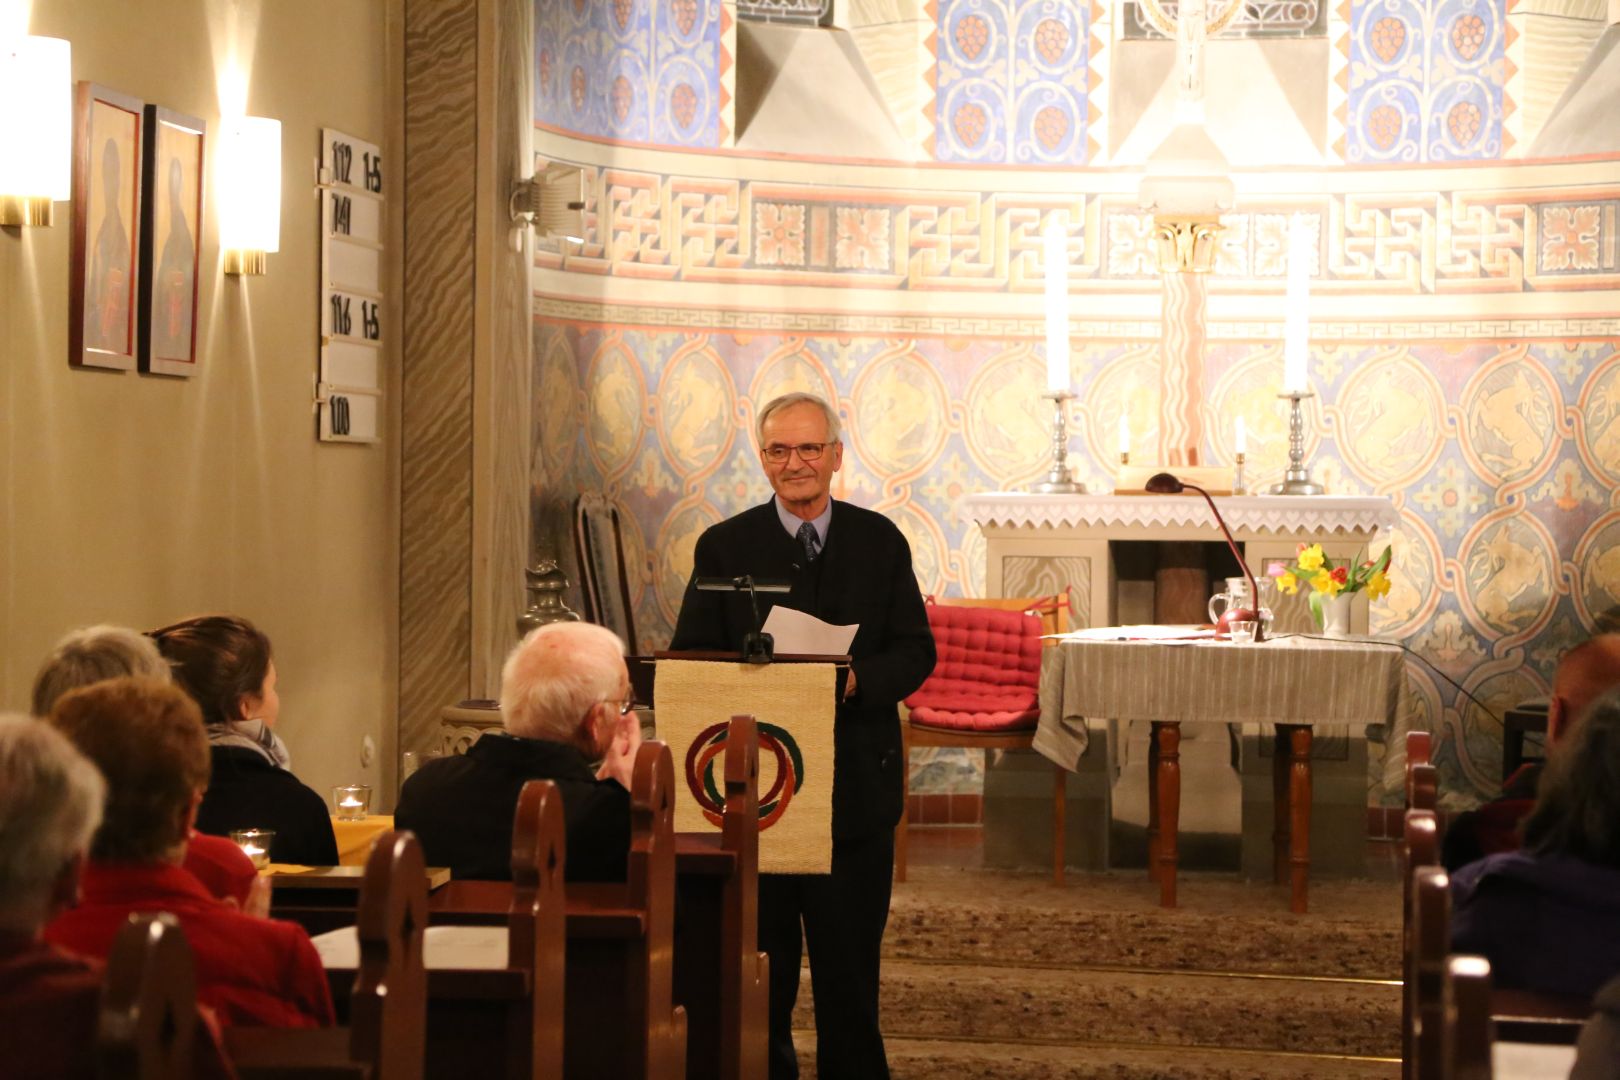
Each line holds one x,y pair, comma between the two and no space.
794,705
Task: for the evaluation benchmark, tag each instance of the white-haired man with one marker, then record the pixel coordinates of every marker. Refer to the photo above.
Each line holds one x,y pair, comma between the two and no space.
846,564
565,704
50,804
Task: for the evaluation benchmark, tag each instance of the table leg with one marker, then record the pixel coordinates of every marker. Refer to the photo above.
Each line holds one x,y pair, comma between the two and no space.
1299,799
1279,806
1153,804
1167,736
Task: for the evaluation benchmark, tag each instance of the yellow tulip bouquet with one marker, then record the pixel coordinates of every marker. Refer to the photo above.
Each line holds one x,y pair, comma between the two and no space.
1328,580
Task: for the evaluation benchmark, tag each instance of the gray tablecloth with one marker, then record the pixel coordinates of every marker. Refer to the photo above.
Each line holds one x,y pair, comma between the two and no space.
1288,680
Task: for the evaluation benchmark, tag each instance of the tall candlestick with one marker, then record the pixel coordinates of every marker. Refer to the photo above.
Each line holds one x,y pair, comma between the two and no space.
1124,433
1057,309
1296,325
1240,440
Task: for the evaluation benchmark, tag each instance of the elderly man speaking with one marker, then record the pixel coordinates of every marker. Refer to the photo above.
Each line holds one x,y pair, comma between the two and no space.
846,565
565,704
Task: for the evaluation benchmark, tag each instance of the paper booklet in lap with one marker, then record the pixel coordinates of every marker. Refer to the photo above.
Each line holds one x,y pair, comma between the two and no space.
794,705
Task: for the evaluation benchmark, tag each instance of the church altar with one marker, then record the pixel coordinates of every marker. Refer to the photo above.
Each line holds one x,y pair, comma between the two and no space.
1038,544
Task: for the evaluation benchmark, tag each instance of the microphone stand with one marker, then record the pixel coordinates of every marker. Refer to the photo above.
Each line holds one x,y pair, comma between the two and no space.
758,647
1166,484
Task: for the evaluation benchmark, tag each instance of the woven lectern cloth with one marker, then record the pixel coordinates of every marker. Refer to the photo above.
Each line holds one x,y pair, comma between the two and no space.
1282,681
794,706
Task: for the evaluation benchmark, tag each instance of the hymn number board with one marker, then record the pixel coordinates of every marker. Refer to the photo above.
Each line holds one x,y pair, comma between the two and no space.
351,189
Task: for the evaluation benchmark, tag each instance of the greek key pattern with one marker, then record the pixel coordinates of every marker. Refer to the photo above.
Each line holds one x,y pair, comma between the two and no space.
646,225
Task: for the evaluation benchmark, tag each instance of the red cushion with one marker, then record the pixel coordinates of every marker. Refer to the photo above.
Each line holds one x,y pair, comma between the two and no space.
988,672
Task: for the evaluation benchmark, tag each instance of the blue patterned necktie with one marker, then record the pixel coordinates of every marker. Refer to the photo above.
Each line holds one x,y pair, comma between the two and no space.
808,538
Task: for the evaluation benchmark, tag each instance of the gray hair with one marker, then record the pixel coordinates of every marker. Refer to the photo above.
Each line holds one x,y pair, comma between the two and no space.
835,430
554,677
94,654
51,799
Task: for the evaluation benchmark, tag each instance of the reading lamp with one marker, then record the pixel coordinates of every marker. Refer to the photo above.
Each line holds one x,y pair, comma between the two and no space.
1166,484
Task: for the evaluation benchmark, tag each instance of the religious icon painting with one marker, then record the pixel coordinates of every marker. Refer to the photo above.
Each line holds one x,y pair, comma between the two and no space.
109,138
171,242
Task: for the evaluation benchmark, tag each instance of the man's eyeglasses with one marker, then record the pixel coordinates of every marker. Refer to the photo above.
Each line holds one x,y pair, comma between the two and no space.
809,451
625,704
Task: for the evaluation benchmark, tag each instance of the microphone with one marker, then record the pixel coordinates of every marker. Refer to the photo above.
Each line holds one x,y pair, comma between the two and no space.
1166,484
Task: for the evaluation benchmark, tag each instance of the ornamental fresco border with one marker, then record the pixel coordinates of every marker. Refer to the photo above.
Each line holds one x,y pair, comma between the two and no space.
558,308
648,225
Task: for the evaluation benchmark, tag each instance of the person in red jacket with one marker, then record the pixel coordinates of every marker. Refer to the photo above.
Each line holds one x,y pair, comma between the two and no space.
94,653
147,739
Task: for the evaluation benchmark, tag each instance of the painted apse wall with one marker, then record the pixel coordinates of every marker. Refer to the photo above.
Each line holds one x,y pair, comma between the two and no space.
1466,341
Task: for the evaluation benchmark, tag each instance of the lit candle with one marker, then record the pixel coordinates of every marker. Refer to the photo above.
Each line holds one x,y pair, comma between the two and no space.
1240,441
255,844
350,803
1296,325
1124,433
1057,310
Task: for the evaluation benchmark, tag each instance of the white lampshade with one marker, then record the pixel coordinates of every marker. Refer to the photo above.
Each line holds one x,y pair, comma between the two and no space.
36,90
249,176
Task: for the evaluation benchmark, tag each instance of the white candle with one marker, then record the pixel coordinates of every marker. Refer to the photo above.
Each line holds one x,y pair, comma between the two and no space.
1057,310
1240,440
1296,324
1124,433
350,803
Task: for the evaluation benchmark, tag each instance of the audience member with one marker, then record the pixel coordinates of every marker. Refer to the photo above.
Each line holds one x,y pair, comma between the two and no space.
50,804
225,664
565,702
1548,917
147,739
1584,674
96,653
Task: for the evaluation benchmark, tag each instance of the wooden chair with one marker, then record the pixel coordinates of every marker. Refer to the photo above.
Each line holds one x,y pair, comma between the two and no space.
599,550
720,974
147,1025
387,1007
1053,615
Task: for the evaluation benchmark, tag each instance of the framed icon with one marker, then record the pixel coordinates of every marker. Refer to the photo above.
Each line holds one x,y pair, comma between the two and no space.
104,293
171,241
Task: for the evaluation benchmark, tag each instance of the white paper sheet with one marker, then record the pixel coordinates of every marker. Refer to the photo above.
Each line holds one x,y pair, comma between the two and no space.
483,948
1189,632
796,632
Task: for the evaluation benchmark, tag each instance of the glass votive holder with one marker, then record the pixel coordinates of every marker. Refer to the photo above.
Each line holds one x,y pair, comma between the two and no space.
1241,631
255,844
351,802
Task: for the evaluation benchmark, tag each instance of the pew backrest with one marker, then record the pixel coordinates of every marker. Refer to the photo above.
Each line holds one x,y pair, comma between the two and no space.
537,940
147,1023
1466,1009
1430,942
388,1005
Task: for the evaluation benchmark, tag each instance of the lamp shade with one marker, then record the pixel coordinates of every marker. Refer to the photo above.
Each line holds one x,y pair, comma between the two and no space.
36,90
249,176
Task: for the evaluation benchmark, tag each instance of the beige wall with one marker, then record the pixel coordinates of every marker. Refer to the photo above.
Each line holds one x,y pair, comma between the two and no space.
138,499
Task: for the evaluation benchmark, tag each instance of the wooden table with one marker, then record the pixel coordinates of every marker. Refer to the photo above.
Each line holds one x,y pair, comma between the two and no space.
1294,683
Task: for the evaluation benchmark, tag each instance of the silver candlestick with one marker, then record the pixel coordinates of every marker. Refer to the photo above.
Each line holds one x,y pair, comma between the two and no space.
1059,481
1297,480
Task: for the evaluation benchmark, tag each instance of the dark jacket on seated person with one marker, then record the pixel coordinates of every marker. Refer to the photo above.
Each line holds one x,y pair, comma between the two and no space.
247,791
1547,923
461,808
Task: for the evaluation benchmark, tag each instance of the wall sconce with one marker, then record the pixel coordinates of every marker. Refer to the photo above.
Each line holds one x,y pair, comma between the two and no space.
36,89
249,193
552,201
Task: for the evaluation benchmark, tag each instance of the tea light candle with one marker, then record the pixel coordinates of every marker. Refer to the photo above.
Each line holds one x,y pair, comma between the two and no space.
255,844
351,802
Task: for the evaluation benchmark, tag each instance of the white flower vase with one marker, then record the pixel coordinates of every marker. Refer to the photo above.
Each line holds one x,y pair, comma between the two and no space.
1336,615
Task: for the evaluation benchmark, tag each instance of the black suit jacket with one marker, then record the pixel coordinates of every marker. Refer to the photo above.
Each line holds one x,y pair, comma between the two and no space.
863,575
461,809
248,792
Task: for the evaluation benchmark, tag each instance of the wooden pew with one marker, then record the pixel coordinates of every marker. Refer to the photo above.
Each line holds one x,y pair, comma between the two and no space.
387,1007
1430,917
720,974
1422,780
147,1025
1466,1015
621,947
1421,848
